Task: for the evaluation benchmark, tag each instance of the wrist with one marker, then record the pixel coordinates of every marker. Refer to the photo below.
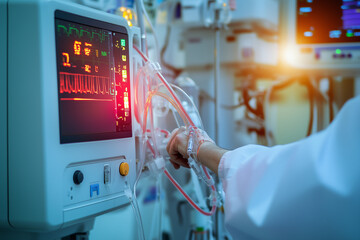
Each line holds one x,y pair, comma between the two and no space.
203,149
209,155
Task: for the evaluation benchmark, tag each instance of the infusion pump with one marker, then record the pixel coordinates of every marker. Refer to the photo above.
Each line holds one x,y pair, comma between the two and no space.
66,116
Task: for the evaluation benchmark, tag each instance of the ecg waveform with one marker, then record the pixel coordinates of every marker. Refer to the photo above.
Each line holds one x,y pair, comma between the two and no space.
86,84
103,36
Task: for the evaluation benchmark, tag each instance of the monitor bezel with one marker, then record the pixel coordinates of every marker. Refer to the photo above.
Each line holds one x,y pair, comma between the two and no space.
101,25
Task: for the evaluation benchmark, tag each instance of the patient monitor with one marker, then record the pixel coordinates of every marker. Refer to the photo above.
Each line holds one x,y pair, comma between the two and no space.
67,139
323,35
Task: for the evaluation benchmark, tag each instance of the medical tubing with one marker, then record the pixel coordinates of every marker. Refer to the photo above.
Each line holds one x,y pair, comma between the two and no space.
148,102
172,102
190,100
136,209
133,201
137,101
172,180
151,147
161,130
169,99
192,203
162,79
152,133
178,104
158,192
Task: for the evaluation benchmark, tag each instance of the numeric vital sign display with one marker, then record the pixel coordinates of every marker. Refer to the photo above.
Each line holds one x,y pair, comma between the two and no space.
93,79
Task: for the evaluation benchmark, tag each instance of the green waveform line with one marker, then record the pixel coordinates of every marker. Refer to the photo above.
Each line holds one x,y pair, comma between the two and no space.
80,33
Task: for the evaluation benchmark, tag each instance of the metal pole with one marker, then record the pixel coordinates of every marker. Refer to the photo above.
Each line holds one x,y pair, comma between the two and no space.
216,72
141,25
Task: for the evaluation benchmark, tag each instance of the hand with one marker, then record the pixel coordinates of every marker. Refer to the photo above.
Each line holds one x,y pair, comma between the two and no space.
177,147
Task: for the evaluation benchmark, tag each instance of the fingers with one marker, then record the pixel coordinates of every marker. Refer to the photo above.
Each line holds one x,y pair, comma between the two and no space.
176,166
179,161
176,148
173,134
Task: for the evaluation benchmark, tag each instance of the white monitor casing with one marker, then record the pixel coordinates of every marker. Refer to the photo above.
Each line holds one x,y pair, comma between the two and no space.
41,195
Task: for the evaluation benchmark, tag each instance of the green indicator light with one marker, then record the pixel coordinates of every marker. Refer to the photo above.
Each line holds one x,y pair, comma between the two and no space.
123,42
200,229
349,34
338,51
103,53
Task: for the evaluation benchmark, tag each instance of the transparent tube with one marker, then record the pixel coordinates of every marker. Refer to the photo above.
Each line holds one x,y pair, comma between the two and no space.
187,120
136,209
172,180
167,85
158,192
192,203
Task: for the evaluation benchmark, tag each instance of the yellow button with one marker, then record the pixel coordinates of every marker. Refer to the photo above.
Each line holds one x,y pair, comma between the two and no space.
124,168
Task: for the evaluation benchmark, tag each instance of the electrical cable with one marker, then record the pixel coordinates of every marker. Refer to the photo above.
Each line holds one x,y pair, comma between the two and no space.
311,107
179,212
331,99
247,98
191,234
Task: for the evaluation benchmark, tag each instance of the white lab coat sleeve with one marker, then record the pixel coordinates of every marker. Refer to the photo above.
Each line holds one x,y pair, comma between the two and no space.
309,189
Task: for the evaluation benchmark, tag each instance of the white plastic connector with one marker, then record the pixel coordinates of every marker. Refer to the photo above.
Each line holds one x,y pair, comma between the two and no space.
127,191
195,167
156,166
194,164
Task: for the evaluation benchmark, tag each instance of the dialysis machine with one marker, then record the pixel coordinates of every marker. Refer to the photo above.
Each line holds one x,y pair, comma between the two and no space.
67,139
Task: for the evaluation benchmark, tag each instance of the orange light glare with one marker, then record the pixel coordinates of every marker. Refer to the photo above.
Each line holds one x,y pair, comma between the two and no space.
77,47
289,55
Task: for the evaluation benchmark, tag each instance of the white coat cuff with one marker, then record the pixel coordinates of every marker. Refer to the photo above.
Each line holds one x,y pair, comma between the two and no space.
231,161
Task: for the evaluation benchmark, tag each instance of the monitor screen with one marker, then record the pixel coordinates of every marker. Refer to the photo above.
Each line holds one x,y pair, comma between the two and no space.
324,21
93,79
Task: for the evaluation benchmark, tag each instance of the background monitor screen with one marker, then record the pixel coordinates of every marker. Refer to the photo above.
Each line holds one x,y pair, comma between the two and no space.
93,79
324,21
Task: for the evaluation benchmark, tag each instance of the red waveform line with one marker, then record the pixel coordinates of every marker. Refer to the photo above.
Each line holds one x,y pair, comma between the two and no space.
87,99
81,83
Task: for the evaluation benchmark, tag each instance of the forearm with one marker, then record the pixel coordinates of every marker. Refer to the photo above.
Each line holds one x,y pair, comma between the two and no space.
209,155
